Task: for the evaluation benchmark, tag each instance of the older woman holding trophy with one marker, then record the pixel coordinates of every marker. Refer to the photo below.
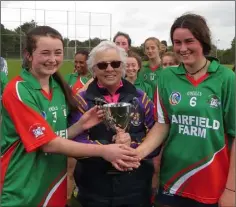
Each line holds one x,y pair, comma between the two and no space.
129,116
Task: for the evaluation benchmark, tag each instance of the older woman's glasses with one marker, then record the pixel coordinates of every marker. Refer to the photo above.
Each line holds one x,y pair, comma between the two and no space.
104,65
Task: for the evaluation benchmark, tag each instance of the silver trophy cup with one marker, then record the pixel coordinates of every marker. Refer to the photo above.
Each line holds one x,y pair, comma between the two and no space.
117,115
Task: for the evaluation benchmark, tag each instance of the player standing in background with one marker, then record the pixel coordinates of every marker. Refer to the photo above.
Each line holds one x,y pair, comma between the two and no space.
149,73
151,70
169,59
122,40
195,107
3,65
133,65
163,47
77,81
81,75
34,129
4,80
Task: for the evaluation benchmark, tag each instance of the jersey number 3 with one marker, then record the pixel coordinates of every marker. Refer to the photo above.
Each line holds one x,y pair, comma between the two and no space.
193,102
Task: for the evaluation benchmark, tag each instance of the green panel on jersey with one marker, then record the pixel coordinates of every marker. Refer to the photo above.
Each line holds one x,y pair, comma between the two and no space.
72,78
30,175
144,87
4,80
200,116
149,76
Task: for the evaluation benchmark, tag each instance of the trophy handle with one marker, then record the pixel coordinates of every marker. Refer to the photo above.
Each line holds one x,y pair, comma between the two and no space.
135,103
99,101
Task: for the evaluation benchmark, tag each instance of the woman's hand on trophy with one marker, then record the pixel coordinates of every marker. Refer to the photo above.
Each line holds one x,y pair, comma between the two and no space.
121,137
92,117
121,156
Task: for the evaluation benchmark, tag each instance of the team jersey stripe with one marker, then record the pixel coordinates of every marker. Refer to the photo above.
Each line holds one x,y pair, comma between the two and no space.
144,96
187,176
53,190
147,111
80,100
165,112
17,91
5,160
160,113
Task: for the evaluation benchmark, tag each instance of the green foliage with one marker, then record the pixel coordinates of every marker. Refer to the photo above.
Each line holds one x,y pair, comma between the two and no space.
11,48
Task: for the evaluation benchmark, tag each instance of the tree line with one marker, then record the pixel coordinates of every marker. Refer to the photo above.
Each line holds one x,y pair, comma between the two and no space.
13,42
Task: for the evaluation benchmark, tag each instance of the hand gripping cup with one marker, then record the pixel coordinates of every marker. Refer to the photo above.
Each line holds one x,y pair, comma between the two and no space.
117,115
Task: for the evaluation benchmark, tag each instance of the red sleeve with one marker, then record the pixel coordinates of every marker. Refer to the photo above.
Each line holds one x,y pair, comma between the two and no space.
33,129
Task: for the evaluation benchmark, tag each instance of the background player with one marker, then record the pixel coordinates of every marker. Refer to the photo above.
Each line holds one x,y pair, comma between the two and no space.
151,70
133,65
195,114
122,40
169,59
81,75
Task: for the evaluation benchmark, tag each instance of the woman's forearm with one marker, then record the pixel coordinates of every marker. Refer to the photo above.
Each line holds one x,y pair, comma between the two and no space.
72,149
74,130
154,138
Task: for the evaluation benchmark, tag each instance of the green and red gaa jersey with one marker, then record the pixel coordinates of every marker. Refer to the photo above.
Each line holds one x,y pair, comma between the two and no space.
201,114
149,75
32,118
4,80
144,87
76,82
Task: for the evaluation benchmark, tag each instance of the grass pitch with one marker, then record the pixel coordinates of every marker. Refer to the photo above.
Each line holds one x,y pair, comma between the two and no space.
14,67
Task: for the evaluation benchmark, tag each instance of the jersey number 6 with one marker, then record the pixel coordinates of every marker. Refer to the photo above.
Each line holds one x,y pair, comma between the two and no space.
192,101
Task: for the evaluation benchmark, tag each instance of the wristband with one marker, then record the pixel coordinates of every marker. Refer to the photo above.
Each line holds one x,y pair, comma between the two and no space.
230,189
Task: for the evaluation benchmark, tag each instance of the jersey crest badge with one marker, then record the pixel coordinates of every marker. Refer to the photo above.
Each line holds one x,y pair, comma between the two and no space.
37,130
145,76
214,101
175,98
152,76
135,119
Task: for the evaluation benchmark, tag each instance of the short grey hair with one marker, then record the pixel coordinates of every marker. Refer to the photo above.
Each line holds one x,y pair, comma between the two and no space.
103,46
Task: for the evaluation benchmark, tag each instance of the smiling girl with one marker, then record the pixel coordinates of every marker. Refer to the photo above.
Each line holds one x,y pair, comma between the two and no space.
195,107
151,70
133,65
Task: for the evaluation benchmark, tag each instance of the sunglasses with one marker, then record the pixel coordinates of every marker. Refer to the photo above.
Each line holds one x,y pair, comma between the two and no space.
103,65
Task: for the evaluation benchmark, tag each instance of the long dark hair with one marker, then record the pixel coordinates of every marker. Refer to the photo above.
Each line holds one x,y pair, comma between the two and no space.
197,25
30,45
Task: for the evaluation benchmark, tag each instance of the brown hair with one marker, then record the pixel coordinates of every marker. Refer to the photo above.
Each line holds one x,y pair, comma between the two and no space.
30,46
137,57
197,25
173,55
83,52
122,34
157,41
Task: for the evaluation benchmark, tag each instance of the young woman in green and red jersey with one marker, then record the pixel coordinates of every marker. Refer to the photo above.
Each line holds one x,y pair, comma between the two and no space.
81,75
169,59
34,139
149,74
133,65
195,105
151,70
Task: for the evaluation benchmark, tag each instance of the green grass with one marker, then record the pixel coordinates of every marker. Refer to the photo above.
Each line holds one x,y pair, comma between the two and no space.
14,67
